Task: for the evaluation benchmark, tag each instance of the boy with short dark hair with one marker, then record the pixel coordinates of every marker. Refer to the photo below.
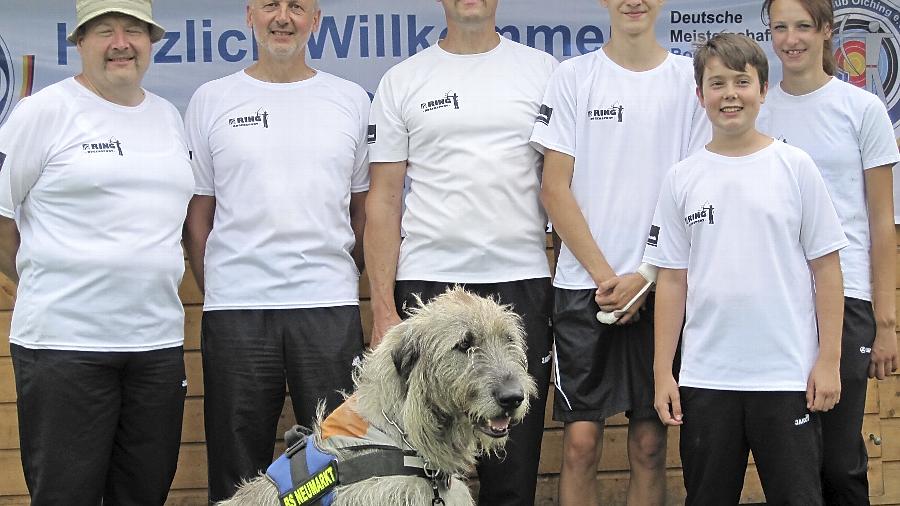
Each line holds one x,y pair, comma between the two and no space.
737,231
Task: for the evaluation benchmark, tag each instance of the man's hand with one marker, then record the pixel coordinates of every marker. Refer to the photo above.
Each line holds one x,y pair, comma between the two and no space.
380,327
668,400
823,389
884,359
614,293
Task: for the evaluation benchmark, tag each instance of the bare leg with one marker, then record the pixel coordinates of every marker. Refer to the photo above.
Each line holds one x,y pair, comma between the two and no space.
582,446
647,456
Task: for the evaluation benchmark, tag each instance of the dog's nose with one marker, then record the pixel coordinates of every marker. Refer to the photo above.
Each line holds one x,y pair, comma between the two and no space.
509,396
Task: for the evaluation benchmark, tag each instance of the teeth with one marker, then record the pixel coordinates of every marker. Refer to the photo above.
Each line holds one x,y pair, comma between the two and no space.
499,424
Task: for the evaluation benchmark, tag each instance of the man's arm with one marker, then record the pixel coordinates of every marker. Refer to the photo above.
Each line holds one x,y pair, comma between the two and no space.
9,247
880,200
382,242
823,388
358,224
197,226
613,291
671,296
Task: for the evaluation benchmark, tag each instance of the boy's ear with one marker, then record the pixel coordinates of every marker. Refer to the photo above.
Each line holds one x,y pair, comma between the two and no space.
765,91
700,96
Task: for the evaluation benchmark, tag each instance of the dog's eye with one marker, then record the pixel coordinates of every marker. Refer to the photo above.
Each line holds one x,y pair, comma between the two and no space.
465,343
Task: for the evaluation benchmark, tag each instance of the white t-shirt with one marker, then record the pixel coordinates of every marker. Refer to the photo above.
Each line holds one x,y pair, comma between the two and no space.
281,160
99,193
845,130
625,129
744,228
462,122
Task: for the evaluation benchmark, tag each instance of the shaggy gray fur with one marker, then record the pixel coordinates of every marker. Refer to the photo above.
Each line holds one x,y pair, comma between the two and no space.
441,376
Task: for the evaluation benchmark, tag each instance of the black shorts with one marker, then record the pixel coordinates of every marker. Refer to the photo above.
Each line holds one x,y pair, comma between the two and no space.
601,370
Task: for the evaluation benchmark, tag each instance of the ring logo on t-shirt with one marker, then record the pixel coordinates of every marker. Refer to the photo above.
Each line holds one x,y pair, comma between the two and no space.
612,112
113,145
261,117
370,134
450,99
653,238
704,214
544,114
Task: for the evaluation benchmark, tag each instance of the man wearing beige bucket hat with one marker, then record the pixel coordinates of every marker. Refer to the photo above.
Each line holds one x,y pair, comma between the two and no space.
95,179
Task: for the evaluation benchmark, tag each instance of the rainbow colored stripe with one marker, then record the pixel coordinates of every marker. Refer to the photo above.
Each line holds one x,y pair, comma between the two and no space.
27,75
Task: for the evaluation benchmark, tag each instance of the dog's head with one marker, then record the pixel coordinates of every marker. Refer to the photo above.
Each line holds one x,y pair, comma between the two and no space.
462,357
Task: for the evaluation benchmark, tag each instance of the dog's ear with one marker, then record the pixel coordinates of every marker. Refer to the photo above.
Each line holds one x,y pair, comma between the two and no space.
405,356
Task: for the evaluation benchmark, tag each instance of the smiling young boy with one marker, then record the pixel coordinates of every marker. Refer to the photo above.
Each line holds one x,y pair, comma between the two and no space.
738,229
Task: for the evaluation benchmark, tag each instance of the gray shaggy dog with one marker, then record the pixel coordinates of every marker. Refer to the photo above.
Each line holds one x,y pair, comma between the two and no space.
448,382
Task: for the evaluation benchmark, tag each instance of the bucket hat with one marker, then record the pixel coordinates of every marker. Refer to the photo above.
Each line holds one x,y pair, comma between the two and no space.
86,10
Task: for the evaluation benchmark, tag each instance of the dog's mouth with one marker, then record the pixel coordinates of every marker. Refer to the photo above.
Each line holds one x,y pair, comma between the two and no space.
495,427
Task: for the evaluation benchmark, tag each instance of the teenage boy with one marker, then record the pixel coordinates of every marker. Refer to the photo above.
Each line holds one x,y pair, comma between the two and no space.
456,119
612,122
738,229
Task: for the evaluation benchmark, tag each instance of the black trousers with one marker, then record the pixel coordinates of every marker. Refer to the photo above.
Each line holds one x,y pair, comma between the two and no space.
247,357
512,480
844,480
99,426
721,427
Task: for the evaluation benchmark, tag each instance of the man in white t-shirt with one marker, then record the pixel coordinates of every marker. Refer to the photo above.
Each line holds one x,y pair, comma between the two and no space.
613,121
456,119
273,237
746,240
94,185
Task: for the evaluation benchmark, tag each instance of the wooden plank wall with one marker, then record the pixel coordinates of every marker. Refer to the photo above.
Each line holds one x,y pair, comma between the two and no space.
882,425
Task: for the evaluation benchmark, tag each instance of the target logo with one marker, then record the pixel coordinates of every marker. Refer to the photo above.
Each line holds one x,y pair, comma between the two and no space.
867,47
7,80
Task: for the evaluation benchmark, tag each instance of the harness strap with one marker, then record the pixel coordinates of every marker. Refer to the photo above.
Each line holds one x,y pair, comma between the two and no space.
385,461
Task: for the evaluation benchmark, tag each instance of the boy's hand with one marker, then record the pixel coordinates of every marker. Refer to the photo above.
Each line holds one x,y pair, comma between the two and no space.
615,292
823,389
668,400
884,359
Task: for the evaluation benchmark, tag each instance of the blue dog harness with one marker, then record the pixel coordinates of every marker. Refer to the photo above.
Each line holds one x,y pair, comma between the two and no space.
306,474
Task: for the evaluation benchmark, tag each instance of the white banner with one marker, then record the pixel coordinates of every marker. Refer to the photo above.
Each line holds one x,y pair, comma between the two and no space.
360,39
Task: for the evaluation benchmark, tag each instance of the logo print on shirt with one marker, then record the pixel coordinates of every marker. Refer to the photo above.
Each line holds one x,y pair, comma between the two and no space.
544,114
704,214
865,350
260,118
612,112
450,99
653,238
370,135
801,421
110,146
